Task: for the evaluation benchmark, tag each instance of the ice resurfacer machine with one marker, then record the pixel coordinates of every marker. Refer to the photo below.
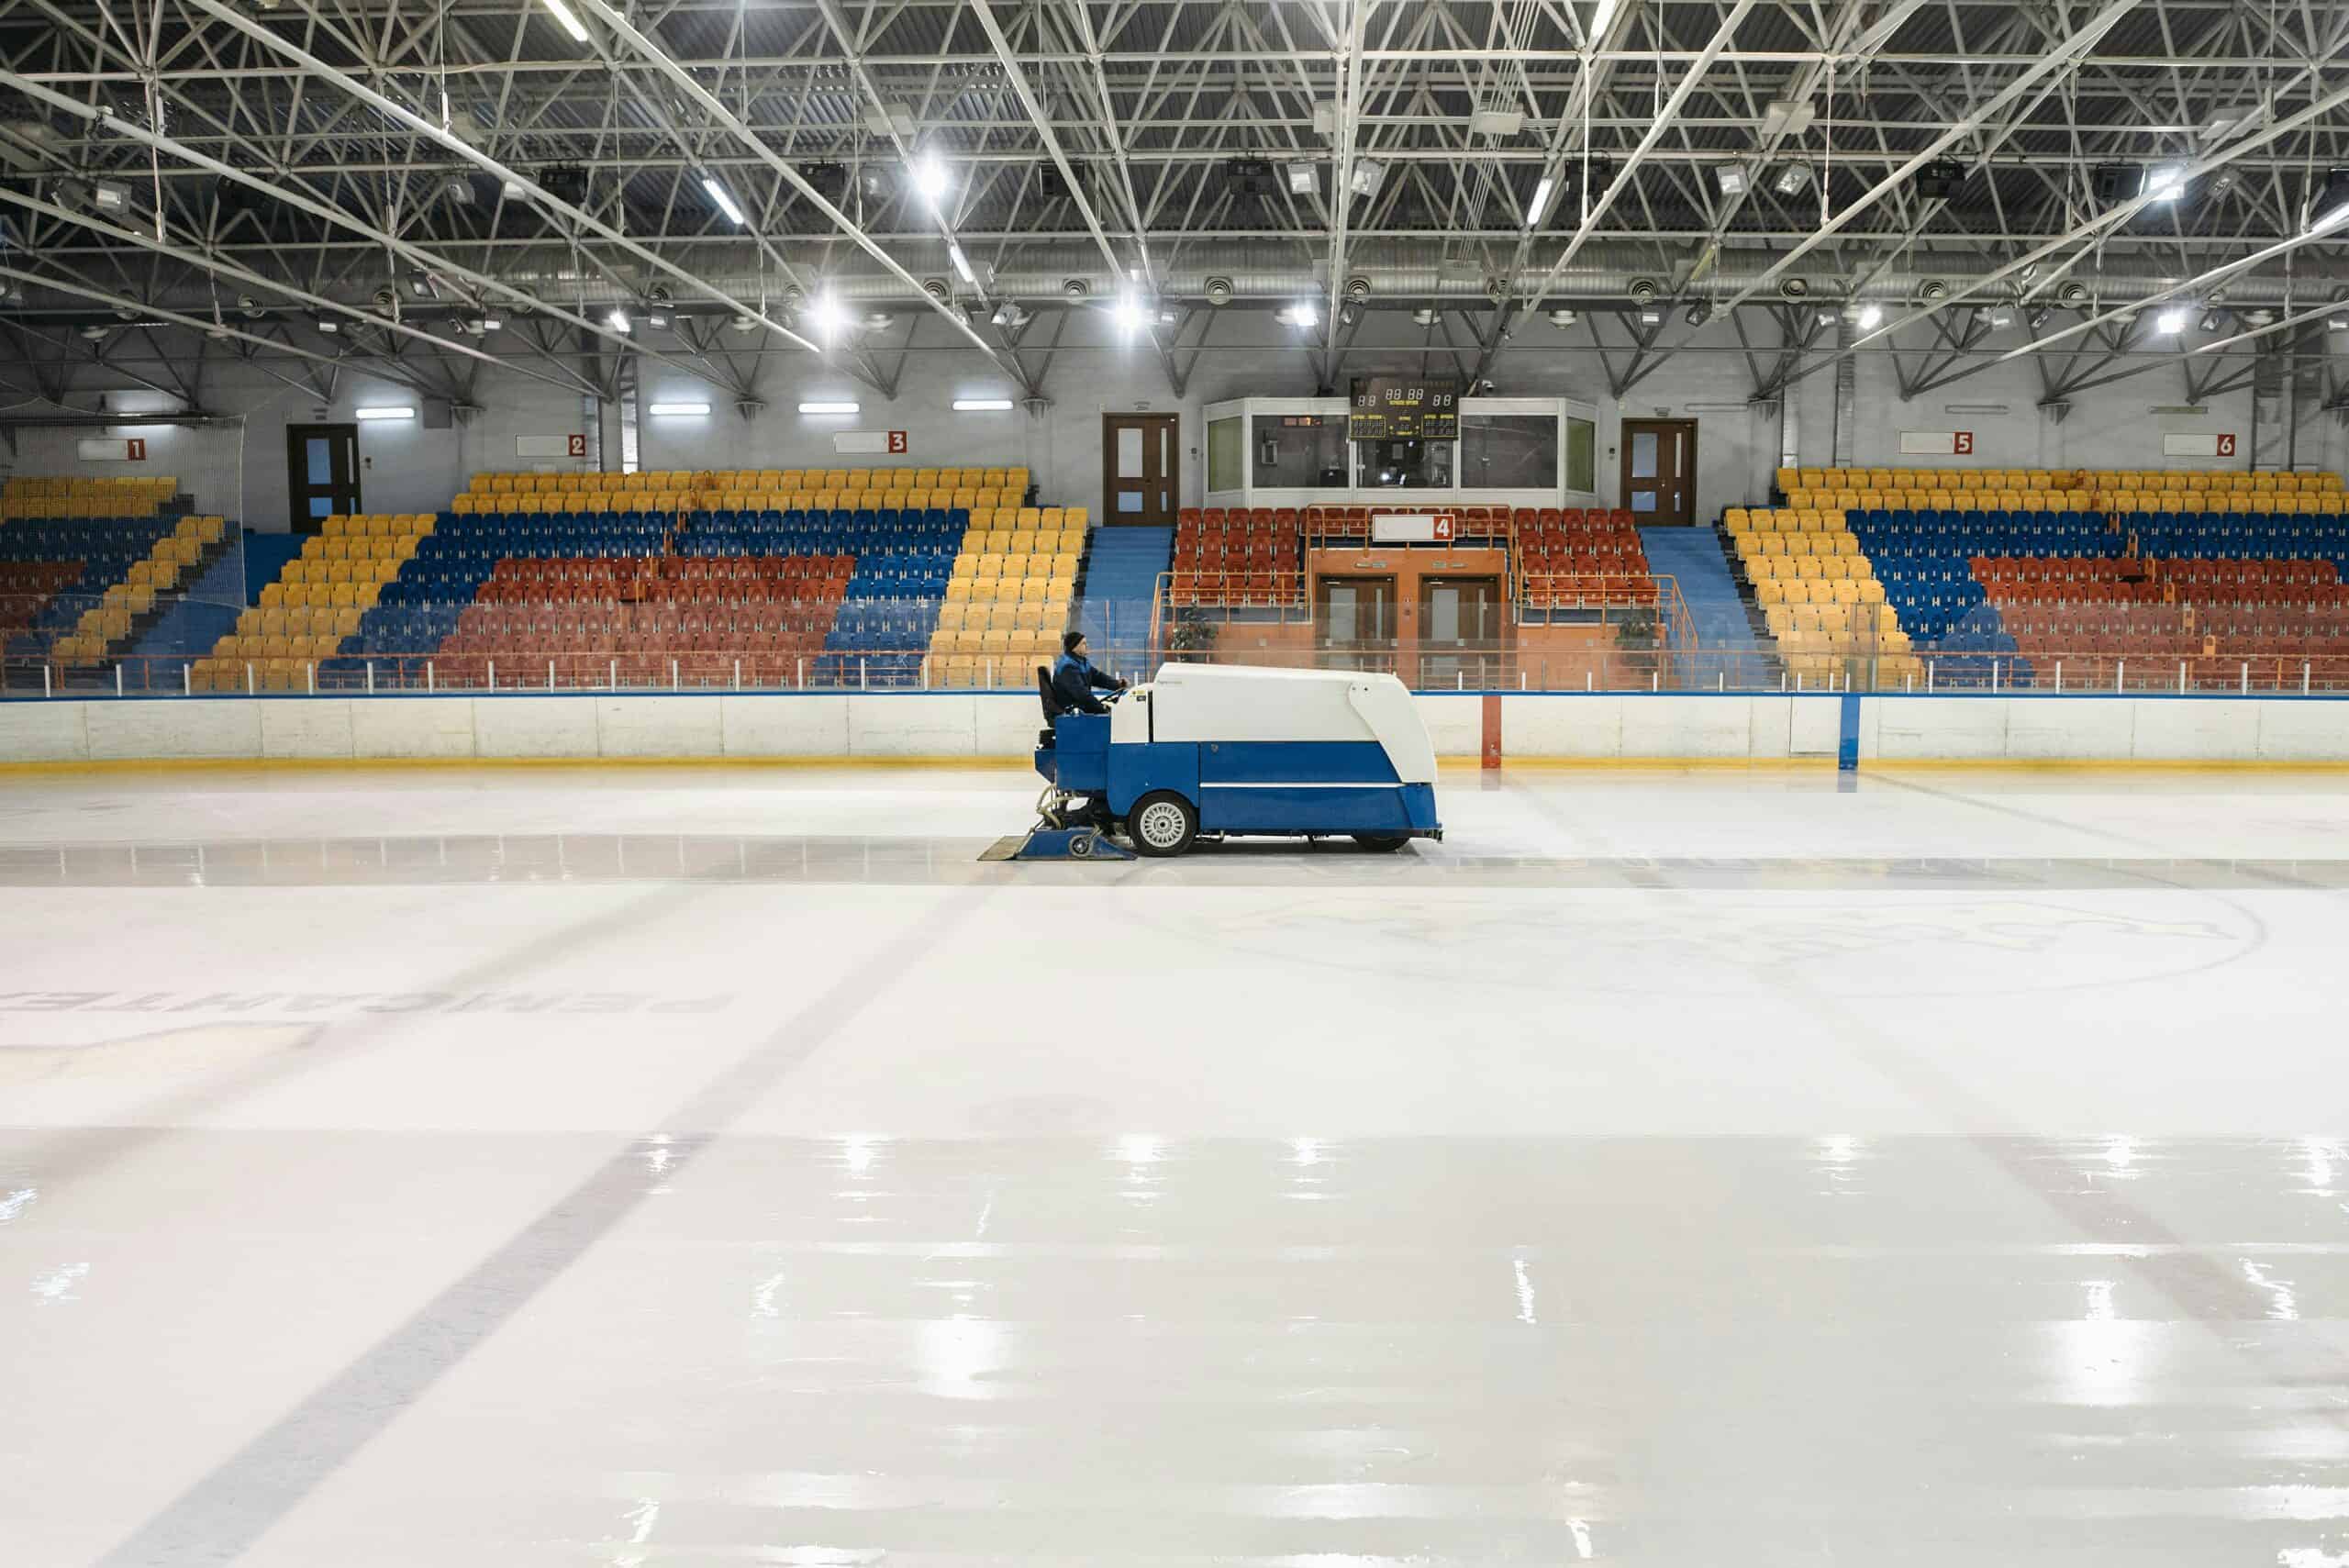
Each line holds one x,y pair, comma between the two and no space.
1213,750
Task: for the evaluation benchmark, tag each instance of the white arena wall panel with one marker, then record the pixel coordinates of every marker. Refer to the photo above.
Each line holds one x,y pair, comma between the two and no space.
1564,727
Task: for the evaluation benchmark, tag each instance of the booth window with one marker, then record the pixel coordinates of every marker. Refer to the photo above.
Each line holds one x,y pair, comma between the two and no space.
1582,455
1508,452
1408,465
1226,464
1301,452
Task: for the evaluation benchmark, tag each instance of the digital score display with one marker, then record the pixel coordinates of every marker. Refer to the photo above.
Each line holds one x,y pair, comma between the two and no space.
1397,408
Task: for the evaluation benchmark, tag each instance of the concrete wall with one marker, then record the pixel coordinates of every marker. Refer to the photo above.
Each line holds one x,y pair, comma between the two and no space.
407,468
850,726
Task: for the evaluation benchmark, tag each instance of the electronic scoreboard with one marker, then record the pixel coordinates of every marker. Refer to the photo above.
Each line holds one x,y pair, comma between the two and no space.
1404,407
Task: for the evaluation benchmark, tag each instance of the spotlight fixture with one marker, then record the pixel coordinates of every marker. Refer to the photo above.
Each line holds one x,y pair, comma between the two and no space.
2040,318
1128,313
1871,316
1732,178
1251,177
2171,321
1301,314
566,183
329,325
458,190
1698,313
2166,182
1366,176
1793,179
746,325
110,195
1009,317
2210,322
1560,316
1425,315
2001,318
930,178
825,315
1304,179
618,320
1938,180
1651,317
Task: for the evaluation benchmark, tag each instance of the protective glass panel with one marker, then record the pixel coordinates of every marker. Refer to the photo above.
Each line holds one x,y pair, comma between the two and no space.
1129,452
1301,452
1224,454
1344,604
1443,614
1582,467
1508,452
1643,453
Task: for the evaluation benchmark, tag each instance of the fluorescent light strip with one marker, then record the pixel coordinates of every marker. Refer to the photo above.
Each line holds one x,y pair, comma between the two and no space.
961,263
1541,203
982,405
725,202
386,413
678,408
830,407
571,23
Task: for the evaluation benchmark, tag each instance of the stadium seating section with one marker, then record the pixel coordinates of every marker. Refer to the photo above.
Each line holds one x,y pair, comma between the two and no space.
68,499
78,590
692,579
971,490
2000,575
1009,598
1566,558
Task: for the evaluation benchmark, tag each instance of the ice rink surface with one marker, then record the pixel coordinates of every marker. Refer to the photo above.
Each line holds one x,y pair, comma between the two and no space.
659,1167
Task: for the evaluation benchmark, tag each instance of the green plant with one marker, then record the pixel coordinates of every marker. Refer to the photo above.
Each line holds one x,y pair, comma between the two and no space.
1192,632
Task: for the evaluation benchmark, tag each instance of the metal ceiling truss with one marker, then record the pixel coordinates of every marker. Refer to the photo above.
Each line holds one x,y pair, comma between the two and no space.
212,181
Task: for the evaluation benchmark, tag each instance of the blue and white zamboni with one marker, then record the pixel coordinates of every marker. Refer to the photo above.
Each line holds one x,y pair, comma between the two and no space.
1216,750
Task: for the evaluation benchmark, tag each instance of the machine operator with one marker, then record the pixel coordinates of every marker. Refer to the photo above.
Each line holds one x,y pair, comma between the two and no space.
1074,678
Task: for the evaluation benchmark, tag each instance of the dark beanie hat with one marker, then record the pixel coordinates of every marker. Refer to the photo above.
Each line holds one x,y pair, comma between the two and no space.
1069,639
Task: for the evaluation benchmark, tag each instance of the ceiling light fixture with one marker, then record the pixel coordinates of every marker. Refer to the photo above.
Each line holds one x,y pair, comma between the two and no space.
1870,317
961,263
571,23
2171,321
930,179
1543,189
828,408
385,412
725,202
1301,314
2166,183
618,320
1304,179
983,406
2331,205
1793,179
665,409
1732,178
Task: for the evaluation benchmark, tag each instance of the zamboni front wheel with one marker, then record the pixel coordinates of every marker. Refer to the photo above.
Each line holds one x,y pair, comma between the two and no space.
1162,824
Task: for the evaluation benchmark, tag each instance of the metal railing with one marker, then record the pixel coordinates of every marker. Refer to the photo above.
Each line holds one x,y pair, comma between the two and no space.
1466,668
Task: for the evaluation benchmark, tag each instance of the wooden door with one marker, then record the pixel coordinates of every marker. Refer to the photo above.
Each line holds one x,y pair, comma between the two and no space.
1460,630
1141,459
1659,480
1355,621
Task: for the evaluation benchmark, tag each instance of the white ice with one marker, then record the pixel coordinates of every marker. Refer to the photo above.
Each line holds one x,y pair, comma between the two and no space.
664,1167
